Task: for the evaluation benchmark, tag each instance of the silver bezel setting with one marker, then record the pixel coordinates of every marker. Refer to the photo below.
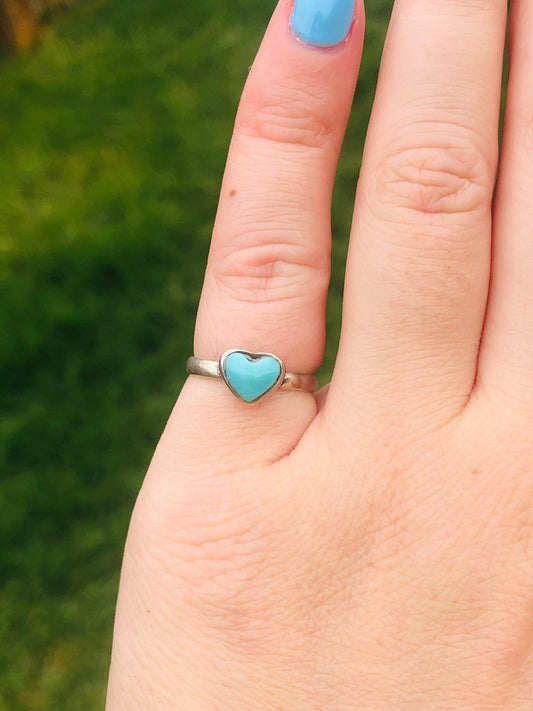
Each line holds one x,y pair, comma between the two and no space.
252,356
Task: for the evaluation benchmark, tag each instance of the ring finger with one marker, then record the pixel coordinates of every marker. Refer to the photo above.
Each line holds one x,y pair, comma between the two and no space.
268,270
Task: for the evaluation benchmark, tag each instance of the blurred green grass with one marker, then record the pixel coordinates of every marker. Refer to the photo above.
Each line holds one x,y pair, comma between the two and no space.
114,133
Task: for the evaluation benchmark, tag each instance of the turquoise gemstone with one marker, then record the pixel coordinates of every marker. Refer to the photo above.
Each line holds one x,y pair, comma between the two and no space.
251,376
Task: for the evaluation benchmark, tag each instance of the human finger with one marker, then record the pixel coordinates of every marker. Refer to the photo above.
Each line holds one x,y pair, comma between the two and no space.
507,347
268,270
419,259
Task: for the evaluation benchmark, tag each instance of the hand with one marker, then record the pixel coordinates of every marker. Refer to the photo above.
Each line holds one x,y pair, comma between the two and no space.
370,548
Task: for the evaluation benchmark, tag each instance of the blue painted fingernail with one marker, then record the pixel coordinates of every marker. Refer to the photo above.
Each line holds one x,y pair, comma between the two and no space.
322,23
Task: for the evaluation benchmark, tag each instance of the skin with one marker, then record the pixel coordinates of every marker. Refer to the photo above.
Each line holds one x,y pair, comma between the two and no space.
369,548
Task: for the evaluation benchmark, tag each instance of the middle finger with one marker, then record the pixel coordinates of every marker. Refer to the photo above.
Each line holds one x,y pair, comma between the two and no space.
419,259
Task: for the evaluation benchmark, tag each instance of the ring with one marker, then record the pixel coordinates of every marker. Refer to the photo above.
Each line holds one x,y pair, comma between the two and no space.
251,376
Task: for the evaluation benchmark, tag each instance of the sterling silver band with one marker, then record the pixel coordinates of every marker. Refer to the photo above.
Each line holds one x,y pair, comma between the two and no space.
217,370
211,369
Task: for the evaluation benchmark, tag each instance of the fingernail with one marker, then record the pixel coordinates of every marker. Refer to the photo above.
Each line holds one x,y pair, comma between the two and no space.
322,23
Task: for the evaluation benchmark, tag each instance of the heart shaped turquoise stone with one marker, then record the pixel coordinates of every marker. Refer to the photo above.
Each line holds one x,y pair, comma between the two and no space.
251,376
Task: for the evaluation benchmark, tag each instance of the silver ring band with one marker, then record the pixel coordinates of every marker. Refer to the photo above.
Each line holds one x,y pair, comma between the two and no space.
251,376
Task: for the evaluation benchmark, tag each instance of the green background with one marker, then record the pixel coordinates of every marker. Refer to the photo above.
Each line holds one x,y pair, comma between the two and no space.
113,139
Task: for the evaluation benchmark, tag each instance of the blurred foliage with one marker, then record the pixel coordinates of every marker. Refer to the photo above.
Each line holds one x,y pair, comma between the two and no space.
19,26
114,131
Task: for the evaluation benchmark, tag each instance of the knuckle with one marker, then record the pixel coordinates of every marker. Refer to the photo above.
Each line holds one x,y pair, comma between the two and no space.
292,115
450,177
266,270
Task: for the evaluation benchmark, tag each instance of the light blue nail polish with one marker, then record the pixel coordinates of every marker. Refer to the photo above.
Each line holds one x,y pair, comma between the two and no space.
322,23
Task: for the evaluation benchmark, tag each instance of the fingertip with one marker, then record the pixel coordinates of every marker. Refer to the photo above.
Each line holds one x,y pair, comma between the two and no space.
323,23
